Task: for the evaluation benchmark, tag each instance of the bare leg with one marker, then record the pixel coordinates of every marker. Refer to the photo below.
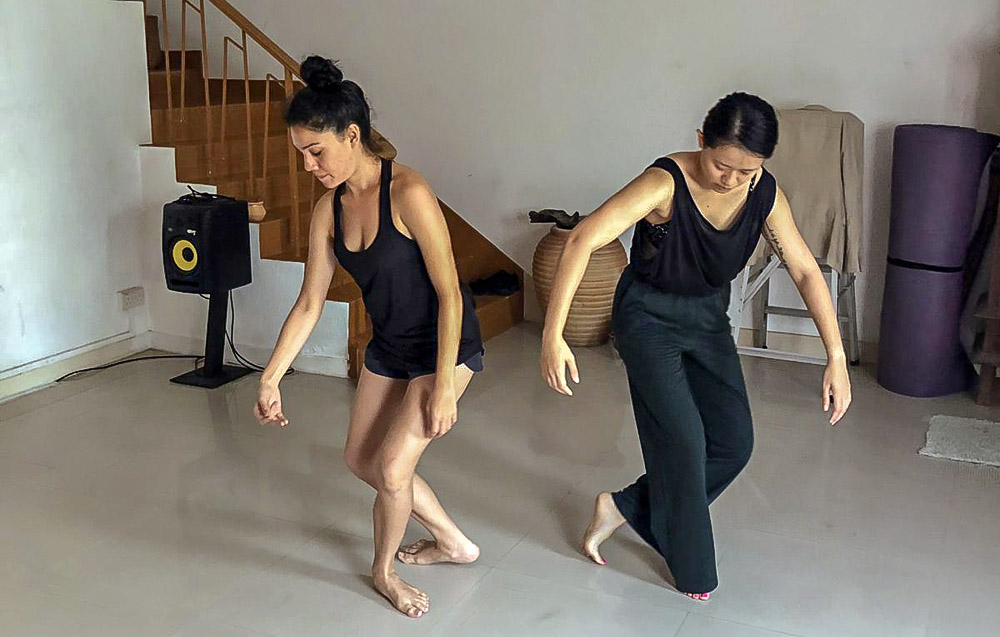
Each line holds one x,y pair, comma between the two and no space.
377,402
400,451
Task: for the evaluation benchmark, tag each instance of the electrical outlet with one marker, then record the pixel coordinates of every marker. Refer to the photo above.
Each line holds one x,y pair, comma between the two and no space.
131,298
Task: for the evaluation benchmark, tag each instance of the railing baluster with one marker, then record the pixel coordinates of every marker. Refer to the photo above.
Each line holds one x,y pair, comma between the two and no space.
268,78
184,5
225,84
292,174
246,92
208,96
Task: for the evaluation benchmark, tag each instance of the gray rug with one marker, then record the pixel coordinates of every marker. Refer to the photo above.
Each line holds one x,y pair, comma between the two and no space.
963,439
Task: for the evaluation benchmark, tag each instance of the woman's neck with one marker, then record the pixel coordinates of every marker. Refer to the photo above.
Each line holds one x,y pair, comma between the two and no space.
696,172
365,177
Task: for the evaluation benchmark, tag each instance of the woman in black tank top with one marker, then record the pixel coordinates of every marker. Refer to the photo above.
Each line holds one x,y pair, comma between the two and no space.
699,217
381,222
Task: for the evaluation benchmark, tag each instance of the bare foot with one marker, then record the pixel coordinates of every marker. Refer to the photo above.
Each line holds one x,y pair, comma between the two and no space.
606,519
700,597
426,552
407,600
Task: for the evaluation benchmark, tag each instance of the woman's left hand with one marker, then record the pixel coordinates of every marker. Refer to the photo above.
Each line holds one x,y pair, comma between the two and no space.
836,389
442,411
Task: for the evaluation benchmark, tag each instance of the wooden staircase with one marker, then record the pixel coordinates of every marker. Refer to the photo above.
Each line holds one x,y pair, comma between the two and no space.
230,133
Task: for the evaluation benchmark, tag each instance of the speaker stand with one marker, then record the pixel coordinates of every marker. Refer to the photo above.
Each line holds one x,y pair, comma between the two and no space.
213,373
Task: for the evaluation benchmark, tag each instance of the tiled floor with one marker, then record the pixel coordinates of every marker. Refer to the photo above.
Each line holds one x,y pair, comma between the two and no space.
130,506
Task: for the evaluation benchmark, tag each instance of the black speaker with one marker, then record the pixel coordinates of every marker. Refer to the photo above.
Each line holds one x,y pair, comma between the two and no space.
206,250
206,244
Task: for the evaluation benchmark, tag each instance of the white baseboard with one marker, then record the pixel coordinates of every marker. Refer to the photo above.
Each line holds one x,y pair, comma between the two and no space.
33,376
323,365
28,378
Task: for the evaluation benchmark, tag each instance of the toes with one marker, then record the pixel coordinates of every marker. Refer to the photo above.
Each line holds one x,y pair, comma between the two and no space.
408,554
418,605
594,556
412,548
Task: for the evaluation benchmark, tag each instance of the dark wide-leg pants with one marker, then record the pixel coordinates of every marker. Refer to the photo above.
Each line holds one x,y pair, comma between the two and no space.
693,418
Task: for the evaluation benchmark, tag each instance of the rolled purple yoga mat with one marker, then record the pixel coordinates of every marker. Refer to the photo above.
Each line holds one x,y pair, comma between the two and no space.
936,172
935,180
919,351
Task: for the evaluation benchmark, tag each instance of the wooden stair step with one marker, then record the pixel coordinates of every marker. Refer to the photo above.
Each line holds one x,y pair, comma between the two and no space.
192,61
194,89
276,190
273,237
233,152
191,124
497,314
196,168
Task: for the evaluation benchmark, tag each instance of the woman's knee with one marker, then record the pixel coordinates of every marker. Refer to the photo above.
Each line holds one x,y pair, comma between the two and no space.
394,475
744,446
358,464
739,446
742,453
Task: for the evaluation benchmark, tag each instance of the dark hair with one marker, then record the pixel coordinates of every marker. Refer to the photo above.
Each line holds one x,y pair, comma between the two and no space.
329,102
741,119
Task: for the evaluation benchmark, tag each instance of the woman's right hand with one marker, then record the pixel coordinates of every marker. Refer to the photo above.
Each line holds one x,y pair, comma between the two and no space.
556,355
268,407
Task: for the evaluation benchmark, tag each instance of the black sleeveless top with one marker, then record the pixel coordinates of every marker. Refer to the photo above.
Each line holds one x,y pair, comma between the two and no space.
398,293
687,255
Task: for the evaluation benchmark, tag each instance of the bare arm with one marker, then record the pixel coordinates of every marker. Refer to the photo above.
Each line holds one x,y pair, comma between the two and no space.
784,238
320,266
422,216
633,202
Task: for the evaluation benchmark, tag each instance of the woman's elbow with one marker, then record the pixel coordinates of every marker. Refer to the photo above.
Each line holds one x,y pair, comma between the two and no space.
578,242
806,273
308,306
450,295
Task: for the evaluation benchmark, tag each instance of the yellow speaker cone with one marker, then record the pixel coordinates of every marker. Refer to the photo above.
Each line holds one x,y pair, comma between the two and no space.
185,255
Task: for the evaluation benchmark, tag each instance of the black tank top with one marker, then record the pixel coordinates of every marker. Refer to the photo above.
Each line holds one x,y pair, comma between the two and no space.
398,293
687,255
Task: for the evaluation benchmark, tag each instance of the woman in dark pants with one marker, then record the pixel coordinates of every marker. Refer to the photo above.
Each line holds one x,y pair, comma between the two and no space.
699,217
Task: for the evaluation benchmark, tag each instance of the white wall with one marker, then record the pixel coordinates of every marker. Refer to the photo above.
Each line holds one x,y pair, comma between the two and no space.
69,174
521,104
178,320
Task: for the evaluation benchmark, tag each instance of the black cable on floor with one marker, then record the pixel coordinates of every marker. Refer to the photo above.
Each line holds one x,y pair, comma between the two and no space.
129,360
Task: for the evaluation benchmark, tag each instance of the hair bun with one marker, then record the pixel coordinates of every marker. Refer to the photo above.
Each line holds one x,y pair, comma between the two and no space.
320,73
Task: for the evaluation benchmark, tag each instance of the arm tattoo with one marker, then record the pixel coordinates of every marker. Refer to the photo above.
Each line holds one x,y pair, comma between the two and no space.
772,239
